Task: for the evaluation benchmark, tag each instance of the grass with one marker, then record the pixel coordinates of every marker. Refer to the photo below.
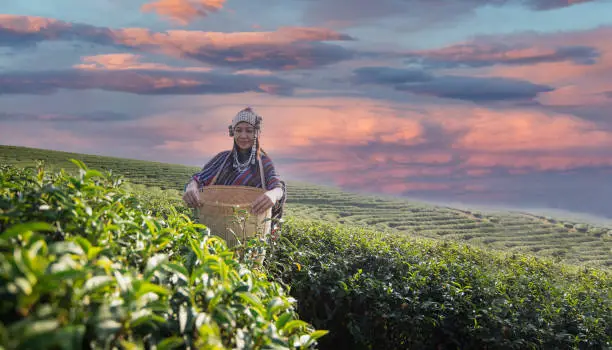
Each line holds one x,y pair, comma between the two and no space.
564,240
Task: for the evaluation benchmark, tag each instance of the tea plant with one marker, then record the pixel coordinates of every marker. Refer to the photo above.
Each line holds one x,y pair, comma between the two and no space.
84,265
385,291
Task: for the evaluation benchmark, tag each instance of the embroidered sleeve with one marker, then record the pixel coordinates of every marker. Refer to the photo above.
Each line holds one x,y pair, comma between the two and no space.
209,170
272,177
273,180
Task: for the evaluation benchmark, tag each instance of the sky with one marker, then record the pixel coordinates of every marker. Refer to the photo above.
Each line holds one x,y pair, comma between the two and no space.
492,102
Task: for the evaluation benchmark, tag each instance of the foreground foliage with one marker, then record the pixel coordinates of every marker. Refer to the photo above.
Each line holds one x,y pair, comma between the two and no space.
83,265
383,291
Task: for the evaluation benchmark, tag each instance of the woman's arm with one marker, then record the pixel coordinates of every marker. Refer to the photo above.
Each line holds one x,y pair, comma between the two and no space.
275,186
200,179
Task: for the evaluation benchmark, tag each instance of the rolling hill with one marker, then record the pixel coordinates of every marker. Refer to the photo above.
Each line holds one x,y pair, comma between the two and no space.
566,240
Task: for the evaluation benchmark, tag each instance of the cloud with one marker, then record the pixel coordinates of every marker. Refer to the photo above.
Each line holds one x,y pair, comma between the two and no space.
98,116
421,12
475,89
19,31
460,150
553,4
332,139
599,114
127,61
388,75
528,130
482,55
46,138
578,65
140,82
254,72
183,11
537,163
284,49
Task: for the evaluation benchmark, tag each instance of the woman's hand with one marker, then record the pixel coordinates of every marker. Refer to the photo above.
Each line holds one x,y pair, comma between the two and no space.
261,204
191,196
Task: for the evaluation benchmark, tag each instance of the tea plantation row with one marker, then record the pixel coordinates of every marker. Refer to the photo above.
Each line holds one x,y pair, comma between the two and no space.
386,291
84,266
133,271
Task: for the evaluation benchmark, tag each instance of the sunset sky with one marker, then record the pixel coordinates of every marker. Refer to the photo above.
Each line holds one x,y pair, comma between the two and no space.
475,101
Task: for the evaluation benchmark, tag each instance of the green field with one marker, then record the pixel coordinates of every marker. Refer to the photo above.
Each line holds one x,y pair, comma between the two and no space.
562,239
90,262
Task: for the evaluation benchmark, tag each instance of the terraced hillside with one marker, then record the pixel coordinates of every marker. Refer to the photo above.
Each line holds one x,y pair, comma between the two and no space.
566,240
165,176
509,231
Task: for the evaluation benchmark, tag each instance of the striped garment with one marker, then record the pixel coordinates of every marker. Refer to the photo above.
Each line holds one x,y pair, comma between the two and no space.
249,177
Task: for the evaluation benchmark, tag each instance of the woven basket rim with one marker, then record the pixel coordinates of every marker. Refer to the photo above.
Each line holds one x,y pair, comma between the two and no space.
235,188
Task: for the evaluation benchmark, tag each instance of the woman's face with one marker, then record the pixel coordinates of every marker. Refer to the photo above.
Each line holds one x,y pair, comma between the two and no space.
244,134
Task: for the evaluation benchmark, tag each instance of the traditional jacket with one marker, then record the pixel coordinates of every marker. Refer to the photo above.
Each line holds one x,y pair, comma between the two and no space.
249,177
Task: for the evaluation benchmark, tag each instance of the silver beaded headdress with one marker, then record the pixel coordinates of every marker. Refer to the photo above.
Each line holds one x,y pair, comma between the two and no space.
249,116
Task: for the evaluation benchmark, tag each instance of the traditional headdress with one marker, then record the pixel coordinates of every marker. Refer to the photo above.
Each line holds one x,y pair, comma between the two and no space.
249,116
246,115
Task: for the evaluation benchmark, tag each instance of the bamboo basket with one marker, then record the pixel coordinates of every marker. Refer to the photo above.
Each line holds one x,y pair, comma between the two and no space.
217,211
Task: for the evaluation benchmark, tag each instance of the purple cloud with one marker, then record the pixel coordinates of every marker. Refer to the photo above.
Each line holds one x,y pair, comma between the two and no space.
424,12
284,49
475,89
140,82
388,75
97,116
16,31
476,55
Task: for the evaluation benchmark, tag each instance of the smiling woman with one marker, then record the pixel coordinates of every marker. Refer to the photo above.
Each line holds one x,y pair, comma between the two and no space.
246,164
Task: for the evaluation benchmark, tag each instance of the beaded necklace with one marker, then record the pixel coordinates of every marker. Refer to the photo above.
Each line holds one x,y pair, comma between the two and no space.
242,166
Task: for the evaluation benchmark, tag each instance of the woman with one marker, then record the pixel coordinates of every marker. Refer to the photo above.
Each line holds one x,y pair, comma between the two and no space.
242,166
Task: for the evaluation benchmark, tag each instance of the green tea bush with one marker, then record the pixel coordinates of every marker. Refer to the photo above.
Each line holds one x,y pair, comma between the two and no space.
385,291
157,201
83,265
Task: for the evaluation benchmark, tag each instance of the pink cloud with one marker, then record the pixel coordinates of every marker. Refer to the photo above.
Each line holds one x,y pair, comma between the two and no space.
519,164
46,138
284,48
475,188
297,123
577,82
476,54
192,40
325,129
253,72
30,24
183,11
423,157
317,131
528,130
415,14
327,140
127,61
478,172
339,140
